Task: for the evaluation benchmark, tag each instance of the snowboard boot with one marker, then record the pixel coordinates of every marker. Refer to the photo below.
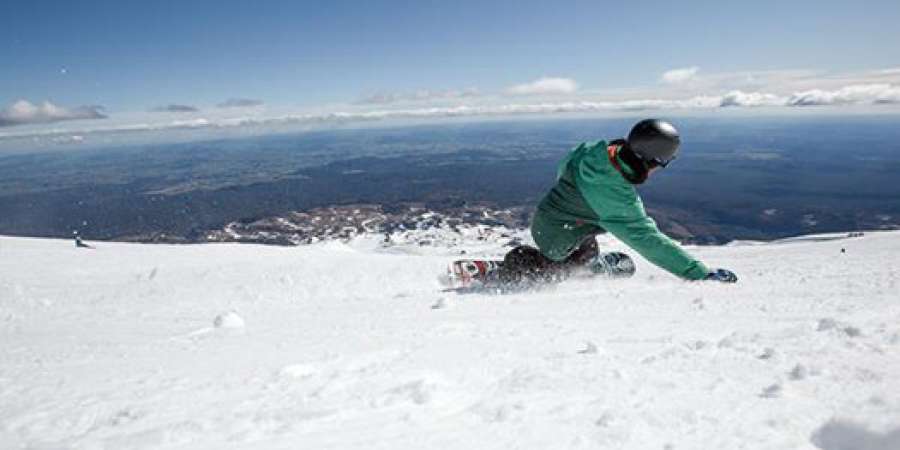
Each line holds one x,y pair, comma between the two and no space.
526,264
613,265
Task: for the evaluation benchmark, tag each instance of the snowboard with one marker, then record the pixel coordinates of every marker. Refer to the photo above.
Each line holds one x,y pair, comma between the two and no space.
479,275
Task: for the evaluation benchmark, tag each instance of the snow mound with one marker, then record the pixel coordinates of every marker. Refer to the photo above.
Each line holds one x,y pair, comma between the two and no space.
229,320
353,345
845,435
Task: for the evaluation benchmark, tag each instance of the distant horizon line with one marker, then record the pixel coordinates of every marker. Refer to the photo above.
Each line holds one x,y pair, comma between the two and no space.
205,129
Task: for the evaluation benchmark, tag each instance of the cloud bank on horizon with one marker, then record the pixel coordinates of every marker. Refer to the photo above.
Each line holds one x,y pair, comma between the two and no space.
23,112
421,95
175,108
240,103
685,88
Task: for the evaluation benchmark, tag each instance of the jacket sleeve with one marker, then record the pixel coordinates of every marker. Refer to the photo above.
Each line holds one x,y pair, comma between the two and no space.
622,213
564,163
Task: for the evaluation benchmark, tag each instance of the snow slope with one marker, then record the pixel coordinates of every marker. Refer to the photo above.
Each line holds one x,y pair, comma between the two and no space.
133,346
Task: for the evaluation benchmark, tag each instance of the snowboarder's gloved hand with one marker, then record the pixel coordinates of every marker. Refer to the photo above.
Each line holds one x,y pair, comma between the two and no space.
723,275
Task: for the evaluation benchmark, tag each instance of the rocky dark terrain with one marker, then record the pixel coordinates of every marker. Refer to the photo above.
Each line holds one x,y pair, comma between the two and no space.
345,222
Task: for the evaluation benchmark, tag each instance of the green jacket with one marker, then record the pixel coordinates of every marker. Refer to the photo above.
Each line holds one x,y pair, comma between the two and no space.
591,196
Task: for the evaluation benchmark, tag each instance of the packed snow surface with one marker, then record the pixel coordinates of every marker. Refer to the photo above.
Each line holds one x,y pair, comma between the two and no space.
353,345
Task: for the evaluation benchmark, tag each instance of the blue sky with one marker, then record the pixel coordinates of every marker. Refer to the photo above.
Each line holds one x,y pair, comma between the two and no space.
135,58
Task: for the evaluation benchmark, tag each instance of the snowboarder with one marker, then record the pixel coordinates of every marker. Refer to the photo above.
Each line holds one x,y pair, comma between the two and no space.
594,194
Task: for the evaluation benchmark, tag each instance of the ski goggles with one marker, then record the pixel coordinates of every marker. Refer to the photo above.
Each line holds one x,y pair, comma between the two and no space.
658,162
662,162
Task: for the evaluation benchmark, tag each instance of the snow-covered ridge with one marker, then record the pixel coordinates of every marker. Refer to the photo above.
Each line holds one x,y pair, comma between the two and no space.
402,223
351,344
799,239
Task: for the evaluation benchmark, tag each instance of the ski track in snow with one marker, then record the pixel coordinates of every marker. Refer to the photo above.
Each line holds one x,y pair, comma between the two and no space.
348,346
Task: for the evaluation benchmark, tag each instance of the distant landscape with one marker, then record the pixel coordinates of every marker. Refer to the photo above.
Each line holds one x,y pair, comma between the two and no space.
759,178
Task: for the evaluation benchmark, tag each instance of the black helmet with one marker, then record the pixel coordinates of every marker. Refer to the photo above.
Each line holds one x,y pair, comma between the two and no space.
655,141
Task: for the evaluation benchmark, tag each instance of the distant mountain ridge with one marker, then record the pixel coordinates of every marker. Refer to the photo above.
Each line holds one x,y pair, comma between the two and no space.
409,221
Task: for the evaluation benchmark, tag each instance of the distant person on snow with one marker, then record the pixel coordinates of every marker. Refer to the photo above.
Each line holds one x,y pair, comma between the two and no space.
595,193
79,243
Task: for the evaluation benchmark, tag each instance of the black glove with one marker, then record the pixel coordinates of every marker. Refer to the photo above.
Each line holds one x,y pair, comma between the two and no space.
723,275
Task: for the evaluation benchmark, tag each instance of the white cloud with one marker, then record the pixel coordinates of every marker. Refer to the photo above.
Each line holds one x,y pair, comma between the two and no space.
544,86
691,80
422,95
879,93
889,96
195,123
679,76
23,112
740,98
